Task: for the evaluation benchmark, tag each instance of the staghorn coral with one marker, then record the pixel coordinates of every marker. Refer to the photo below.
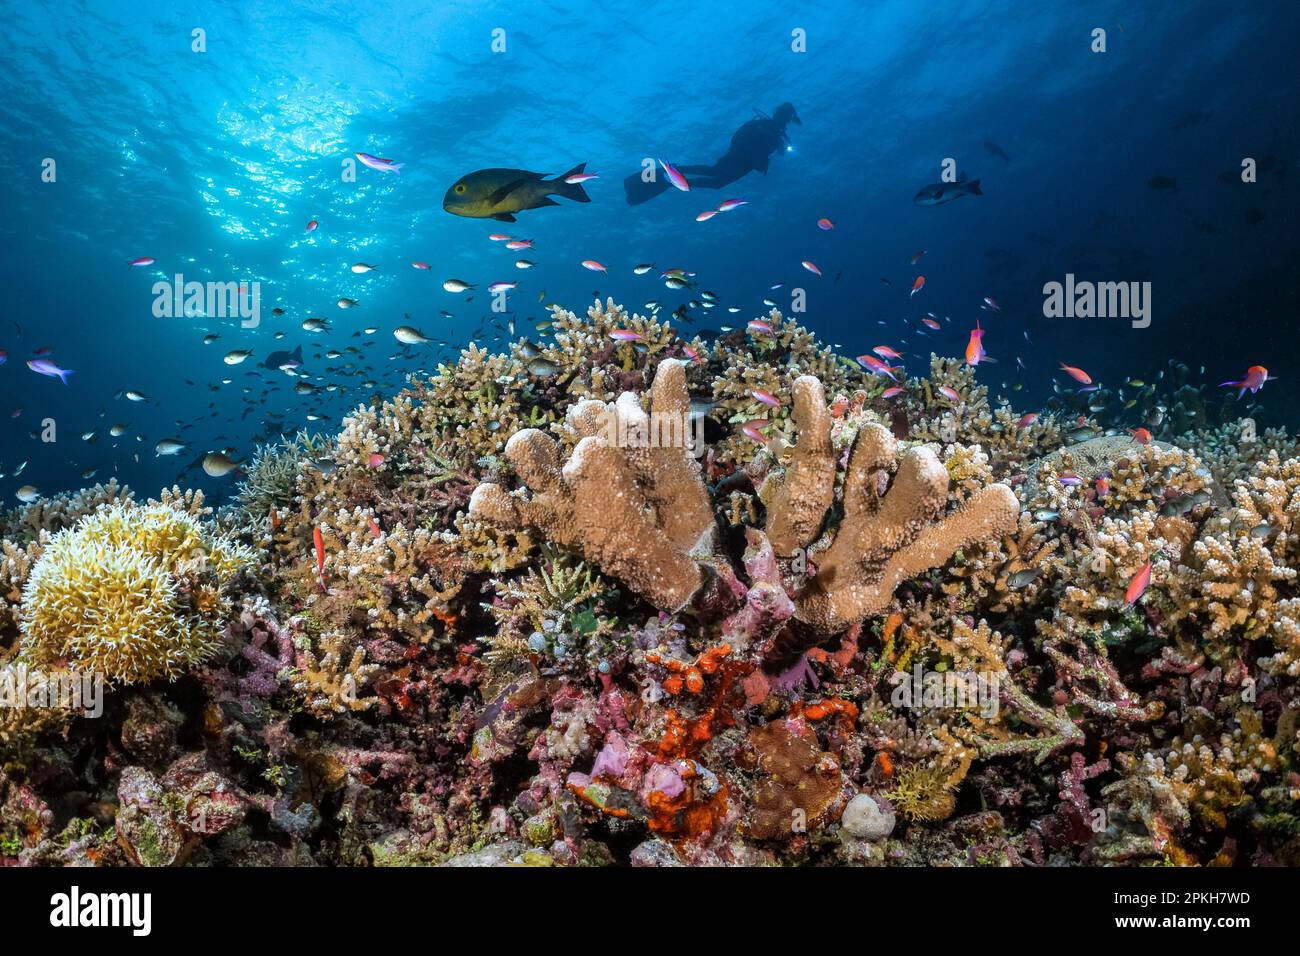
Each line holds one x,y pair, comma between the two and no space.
58,512
330,677
132,592
271,479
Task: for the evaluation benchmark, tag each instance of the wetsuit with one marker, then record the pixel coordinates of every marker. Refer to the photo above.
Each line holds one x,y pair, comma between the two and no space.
751,150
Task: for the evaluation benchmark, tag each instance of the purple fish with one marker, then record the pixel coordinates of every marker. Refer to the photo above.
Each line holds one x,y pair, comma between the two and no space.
4,356
46,367
383,165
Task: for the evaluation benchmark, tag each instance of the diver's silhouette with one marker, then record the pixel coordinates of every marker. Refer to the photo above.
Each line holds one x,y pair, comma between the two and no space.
751,149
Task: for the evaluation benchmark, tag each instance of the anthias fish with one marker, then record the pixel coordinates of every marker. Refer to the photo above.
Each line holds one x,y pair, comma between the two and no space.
500,193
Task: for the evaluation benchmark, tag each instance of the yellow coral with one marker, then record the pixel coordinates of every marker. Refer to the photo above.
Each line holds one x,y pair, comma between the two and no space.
131,592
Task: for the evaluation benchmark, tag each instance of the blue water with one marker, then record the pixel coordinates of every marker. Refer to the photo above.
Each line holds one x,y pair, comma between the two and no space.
213,163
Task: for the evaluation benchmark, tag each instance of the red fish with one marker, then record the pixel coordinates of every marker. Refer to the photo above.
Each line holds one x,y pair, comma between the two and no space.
1141,436
1138,585
825,224
767,398
760,325
885,352
319,540
930,323
376,460
706,215
420,265
877,366
949,393
1027,419
917,286
1255,378
751,429
975,347
374,528
893,391
917,258
811,267
593,265
730,204
140,262
1078,374
312,226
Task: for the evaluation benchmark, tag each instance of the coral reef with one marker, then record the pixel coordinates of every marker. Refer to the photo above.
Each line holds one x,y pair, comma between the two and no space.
640,599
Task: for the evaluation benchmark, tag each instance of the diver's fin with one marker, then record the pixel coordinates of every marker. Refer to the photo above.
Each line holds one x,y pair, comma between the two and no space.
572,191
497,195
639,191
973,187
503,217
297,353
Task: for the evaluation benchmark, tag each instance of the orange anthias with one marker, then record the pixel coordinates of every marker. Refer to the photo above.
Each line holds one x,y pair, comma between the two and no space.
1078,374
975,347
1138,585
319,540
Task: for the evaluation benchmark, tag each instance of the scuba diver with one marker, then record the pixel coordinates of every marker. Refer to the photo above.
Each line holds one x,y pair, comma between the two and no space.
751,149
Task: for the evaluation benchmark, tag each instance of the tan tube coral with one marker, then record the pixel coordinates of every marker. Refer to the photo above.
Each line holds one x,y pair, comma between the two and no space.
883,541
798,499
630,497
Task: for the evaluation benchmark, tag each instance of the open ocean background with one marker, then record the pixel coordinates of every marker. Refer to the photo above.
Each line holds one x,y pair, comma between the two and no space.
213,163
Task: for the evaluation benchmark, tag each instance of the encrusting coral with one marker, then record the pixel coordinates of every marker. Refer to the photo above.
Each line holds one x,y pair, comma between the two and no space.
620,595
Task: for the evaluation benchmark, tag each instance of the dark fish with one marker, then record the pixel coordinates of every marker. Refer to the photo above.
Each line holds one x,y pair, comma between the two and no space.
499,193
278,360
936,194
996,150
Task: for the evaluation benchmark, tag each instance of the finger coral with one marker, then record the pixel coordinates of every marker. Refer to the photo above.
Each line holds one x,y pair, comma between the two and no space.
637,513
884,538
